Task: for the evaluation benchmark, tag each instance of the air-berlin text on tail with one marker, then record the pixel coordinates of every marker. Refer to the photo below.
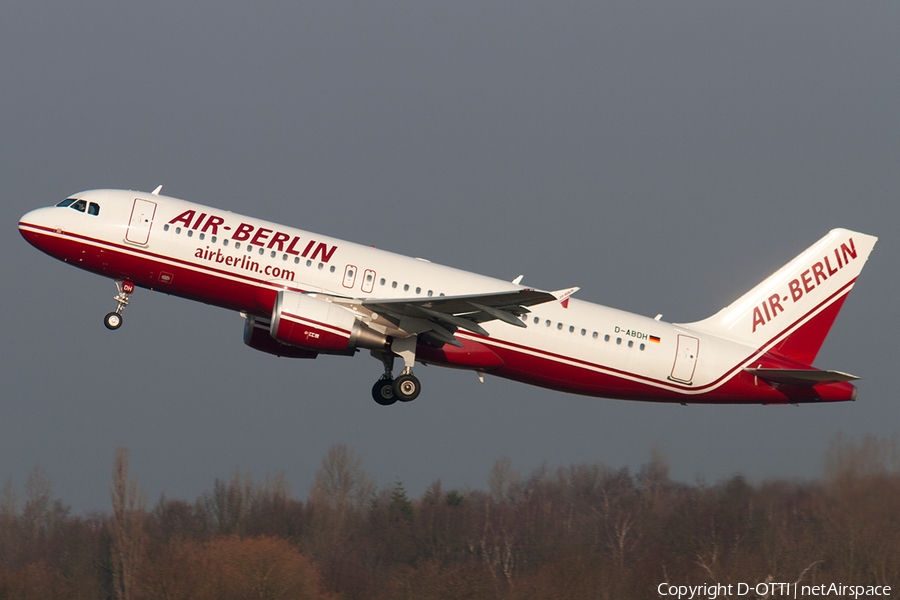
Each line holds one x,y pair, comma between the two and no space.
833,261
257,236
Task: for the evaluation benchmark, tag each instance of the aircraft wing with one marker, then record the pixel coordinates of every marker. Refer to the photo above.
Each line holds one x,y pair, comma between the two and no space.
438,318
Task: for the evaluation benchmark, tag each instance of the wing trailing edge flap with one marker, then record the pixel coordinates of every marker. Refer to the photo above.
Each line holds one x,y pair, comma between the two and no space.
438,318
801,377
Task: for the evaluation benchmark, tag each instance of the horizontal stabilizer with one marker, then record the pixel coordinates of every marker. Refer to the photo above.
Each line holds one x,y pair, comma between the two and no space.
801,377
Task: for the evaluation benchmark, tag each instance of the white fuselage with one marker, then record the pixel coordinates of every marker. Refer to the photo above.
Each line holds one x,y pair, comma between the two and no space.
231,260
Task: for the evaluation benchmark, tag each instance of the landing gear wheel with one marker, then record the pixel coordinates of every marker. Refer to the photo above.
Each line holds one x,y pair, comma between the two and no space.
383,392
112,321
407,388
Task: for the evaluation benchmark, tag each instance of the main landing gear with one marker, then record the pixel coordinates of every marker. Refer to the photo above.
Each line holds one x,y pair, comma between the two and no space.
113,320
406,387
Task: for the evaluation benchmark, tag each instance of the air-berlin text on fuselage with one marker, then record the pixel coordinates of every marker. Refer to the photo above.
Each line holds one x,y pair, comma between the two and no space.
257,236
809,279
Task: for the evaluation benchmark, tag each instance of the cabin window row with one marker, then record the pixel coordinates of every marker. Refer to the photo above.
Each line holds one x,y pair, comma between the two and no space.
560,326
406,287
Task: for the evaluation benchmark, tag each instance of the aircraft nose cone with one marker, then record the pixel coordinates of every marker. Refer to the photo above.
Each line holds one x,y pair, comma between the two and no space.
32,224
27,221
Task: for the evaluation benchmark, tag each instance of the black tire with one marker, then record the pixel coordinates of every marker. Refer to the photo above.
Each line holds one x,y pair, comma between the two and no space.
407,388
383,392
112,321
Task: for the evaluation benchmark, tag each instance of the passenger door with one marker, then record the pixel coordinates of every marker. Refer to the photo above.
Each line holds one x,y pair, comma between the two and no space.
141,221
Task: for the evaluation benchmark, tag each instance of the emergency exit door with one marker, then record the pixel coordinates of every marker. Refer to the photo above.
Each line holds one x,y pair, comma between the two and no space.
685,359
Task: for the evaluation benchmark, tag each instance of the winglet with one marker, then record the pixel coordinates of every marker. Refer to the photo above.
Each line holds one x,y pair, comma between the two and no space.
157,190
563,295
518,280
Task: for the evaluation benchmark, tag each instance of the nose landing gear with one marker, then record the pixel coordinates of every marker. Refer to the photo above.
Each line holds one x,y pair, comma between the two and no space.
113,320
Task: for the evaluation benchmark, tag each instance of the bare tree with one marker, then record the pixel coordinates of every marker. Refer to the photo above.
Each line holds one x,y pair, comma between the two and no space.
341,483
846,460
126,527
340,490
503,480
9,501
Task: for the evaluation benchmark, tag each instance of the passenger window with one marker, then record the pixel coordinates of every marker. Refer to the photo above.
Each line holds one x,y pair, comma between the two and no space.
331,269
93,209
548,322
571,328
296,260
190,233
80,206
394,285
213,239
66,202
405,287
178,231
237,245
202,236
166,227
418,290
273,253
224,242
630,344
537,320
584,332
382,282
559,326
642,346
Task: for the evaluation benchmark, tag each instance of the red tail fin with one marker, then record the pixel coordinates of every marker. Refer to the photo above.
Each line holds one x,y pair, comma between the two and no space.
804,343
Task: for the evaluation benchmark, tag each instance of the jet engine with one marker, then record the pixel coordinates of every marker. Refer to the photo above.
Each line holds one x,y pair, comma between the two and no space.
313,324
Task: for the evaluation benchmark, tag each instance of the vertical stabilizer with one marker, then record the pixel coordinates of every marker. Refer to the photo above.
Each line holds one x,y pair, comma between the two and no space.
791,312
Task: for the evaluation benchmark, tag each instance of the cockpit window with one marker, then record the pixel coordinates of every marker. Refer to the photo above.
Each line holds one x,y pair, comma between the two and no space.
67,202
80,205
93,209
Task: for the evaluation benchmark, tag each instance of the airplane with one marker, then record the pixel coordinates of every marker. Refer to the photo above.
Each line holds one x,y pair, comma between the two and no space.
303,294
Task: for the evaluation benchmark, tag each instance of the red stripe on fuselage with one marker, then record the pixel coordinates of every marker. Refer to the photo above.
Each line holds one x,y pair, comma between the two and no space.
199,282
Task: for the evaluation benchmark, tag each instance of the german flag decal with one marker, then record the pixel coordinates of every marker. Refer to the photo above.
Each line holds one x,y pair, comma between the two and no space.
654,339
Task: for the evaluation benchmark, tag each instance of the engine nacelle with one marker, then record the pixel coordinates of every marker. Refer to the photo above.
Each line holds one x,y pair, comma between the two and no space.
301,320
256,335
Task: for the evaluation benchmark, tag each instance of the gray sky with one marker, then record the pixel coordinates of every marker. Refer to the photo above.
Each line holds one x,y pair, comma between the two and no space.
664,156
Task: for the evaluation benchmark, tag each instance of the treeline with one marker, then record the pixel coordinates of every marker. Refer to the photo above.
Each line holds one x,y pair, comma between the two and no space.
584,531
